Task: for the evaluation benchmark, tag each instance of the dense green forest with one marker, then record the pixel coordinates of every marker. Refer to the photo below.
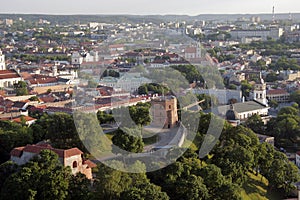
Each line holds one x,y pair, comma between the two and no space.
237,160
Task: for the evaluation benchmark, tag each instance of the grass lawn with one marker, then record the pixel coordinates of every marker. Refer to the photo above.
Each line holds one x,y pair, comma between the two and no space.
256,189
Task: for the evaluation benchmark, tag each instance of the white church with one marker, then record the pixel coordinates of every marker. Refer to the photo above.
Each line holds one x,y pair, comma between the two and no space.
7,77
257,106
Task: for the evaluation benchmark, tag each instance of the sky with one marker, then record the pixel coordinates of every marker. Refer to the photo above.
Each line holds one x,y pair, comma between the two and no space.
146,7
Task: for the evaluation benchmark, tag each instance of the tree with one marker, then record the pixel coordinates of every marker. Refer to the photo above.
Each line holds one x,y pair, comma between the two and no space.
13,135
131,142
271,77
192,188
50,179
246,88
38,132
143,89
144,191
232,87
104,117
273,104
282,173
110,182
7,169
213,178
219,187
295,96
288,111
255,123
190,72
34,98
209,101
140,114
261,64
79,187
21,88
111,73
153,88
287,127
61,130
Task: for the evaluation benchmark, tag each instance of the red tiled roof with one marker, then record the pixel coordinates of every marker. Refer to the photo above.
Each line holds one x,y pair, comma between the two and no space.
172,55
277,91
6,74
47,99
26,75
17,152
39,147
89,163
26,118
43,80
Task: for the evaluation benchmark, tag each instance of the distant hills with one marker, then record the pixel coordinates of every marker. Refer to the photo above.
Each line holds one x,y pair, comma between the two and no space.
144,18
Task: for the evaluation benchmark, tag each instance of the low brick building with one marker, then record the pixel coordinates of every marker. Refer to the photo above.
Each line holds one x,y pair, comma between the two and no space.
72,158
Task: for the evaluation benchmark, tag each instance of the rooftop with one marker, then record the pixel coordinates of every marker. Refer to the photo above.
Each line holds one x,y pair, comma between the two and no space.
240,107
39,147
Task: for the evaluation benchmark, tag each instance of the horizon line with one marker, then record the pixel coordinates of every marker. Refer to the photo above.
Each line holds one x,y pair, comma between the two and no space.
157,14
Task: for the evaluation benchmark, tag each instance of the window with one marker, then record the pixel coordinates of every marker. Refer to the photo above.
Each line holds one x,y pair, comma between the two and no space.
74,164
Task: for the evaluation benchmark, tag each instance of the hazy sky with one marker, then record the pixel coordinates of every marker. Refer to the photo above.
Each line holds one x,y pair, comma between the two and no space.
190,7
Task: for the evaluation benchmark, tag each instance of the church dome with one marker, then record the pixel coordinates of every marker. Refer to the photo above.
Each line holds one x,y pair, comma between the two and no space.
232,115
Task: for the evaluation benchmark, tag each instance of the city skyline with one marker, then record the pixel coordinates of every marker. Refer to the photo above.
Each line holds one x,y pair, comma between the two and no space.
145,7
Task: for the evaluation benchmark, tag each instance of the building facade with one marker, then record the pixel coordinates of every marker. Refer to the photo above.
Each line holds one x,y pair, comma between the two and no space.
72,158
278,95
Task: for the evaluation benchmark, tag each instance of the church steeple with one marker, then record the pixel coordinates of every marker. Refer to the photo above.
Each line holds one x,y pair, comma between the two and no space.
260,92
2,61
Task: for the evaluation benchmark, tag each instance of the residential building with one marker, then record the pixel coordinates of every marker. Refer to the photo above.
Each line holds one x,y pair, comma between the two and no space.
24,119
266,138
291,76
274,33
278,95
129,82
8,78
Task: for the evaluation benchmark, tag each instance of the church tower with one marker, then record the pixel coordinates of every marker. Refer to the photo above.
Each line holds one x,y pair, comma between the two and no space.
76,59
198,50
2,61
260,92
